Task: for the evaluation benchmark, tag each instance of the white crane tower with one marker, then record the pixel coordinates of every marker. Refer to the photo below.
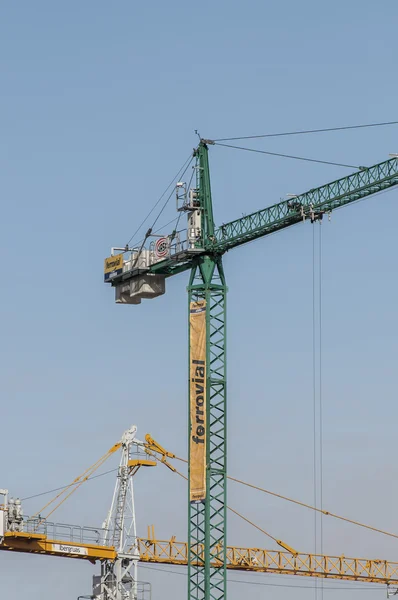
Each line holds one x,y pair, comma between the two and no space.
119,579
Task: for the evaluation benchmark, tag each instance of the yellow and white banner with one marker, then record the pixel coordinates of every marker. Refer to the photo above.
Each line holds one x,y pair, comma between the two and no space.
113,266
197,388
68,549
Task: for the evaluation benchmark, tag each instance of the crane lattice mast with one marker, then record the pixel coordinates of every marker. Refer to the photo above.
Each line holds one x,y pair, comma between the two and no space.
119,578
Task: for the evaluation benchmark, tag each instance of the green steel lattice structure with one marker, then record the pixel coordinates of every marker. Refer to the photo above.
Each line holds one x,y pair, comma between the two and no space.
207,520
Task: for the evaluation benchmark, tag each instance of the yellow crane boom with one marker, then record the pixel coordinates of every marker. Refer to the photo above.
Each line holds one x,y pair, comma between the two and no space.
275,561
256,560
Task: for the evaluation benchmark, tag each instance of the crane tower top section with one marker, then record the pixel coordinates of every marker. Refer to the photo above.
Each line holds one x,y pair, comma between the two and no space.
140,272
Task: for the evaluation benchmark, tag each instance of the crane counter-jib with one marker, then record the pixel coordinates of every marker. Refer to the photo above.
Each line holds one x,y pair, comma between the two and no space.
37,543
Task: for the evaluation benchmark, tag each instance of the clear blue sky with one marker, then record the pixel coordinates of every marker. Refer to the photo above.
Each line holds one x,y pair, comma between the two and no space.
99,102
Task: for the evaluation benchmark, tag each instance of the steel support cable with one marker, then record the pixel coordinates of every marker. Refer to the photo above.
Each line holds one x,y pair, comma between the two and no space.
324,512
148,233
327,129
320,392
175,220
228,507
253,524
171,193
260,489
74,489
314,420
161,197
180,214
63,487
303,504
76,483
312,160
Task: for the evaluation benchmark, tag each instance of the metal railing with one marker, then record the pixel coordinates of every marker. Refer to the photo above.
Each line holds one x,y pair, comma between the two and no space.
64,531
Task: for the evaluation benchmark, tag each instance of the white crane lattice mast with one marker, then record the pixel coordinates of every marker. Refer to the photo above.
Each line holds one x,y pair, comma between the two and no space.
119,579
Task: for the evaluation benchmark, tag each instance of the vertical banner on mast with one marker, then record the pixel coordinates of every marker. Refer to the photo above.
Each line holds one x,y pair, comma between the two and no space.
197,398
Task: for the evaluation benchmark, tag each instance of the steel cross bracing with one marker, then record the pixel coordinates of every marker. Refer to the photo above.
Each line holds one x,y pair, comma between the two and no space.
289,212
207,520
123,477
207,562
118,580
275,561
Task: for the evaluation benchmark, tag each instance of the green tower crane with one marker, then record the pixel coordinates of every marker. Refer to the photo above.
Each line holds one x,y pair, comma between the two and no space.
141,273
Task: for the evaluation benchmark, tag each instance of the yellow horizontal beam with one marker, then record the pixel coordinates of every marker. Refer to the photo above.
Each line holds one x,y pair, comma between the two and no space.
141,462
240,559
24,535
274,561
40,544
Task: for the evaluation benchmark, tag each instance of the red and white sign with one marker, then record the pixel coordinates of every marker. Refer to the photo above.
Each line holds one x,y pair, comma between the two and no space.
162,247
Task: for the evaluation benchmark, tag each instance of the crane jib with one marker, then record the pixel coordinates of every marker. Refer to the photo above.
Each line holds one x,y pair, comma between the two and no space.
309,205
326,198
